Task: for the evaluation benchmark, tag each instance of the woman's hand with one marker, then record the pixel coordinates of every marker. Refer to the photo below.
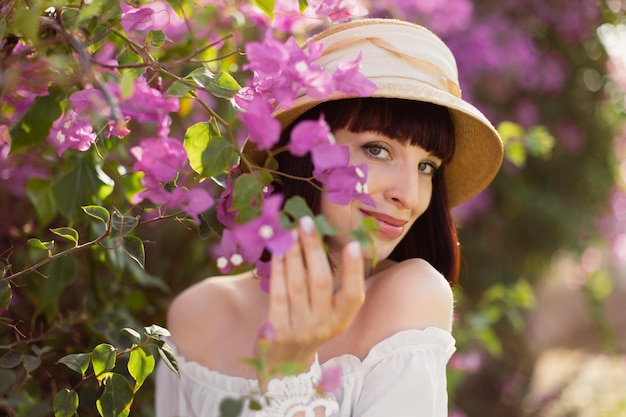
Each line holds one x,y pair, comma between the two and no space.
303,310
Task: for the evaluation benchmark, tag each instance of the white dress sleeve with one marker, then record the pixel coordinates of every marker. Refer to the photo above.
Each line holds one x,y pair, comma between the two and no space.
408,380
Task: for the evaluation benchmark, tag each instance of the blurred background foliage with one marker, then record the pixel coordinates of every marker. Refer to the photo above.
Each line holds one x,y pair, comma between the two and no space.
550,73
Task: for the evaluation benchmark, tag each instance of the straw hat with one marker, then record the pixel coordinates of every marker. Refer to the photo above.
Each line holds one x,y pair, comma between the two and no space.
408,61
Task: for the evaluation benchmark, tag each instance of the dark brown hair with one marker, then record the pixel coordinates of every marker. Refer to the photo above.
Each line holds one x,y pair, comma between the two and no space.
433,236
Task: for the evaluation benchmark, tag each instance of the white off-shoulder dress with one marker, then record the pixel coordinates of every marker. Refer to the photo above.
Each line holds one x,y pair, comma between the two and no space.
402,376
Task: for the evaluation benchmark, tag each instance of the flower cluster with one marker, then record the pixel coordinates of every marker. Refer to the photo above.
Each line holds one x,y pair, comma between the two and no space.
282,72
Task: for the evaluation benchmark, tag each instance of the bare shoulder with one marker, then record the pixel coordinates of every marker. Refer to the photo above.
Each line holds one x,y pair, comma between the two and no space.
408,295
201,318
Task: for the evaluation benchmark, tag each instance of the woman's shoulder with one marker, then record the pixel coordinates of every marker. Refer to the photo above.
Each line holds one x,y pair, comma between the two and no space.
403,296
201,319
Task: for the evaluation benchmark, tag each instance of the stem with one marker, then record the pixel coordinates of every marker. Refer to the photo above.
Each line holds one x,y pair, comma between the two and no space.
51,258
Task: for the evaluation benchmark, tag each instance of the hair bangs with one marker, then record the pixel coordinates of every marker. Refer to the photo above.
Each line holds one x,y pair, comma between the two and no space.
423,124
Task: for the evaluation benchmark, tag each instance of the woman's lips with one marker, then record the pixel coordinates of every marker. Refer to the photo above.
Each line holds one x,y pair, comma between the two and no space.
388,226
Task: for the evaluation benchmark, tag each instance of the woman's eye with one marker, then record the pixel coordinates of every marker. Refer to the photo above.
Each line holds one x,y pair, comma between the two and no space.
428,168
376,150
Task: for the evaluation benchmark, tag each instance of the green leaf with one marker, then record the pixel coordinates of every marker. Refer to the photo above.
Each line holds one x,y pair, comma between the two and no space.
11,359
140,366
31,363
156,332
97,212
26,19
76,188
127,84
169,358
6,294
297,208
290,368
323,227
67,233
247,187
223,86
38,244
122,225
246,214
34,127
267,6
303,5
103,359
363,235
133,247
65,403
179,89
230,407
116,397
40,195
134,333
156,38
209,153
77,362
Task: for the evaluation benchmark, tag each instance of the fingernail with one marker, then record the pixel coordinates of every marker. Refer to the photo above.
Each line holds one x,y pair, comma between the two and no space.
307,224
354,250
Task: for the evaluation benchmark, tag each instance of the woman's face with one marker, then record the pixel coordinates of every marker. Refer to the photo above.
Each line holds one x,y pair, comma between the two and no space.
399,181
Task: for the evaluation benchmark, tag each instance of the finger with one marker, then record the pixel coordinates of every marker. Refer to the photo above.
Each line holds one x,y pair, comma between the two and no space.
279,301
297,287
320,276
351,294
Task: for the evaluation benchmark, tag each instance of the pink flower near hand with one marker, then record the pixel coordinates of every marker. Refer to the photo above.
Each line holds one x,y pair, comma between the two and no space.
72,131
160,159
330,381
343,184
266,231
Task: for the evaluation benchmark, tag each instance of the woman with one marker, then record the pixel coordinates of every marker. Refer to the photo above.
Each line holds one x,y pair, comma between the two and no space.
386,325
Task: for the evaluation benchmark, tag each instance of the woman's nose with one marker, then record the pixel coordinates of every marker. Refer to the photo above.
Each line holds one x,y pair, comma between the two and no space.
402,187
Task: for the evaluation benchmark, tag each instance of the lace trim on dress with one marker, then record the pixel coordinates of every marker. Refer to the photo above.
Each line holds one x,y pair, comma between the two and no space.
294,394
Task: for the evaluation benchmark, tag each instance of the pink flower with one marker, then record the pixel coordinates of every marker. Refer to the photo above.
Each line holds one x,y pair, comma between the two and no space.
336,10
193,202
349,80
160,159
72,131
263,130
330,381
266,231
307,134
328,156
342,184
157,15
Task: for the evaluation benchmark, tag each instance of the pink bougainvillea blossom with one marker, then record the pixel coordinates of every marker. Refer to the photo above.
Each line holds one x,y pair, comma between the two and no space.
266,230
343,184
72,131
349,80
192,202
159,158
327,156
263,130
156,15
282,70
330,380
264,271
336,10
146,104
153,191
307,134
231,253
